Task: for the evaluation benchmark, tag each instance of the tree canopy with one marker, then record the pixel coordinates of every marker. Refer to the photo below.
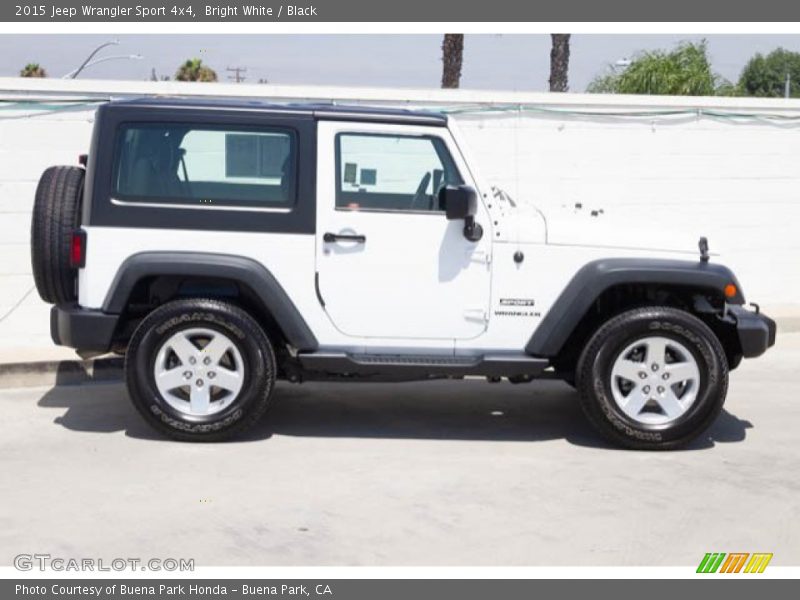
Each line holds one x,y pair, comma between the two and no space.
33,70
684,71
194,70
765,76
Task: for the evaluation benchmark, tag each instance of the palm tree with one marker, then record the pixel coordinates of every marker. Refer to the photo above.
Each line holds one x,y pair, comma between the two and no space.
33,70
452,58
194,70
559,62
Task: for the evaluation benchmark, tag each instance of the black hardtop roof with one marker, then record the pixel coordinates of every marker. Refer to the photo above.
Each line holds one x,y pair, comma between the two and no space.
317,110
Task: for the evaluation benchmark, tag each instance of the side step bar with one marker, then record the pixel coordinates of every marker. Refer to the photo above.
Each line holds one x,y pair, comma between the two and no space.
423,367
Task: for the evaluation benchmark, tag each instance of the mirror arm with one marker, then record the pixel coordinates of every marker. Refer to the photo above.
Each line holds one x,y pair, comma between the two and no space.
472,229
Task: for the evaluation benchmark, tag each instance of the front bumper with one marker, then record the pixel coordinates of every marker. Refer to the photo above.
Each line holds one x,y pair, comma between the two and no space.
756,332
81,328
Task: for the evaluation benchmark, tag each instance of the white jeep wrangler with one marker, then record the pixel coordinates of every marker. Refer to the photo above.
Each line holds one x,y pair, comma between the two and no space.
223,245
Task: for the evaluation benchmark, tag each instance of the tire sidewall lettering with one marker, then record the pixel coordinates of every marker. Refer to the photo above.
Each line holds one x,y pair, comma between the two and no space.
147,340
611,338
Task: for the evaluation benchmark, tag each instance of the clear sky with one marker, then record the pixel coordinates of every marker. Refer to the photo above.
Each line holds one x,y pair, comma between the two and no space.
507,62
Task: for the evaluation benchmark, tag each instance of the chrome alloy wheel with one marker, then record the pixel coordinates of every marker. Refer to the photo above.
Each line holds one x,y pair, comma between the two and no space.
655,380
199,371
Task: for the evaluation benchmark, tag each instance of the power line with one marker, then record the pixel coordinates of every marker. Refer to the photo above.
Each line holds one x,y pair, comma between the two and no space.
237,74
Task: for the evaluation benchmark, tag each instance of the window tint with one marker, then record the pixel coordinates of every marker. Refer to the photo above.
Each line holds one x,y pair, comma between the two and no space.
201,165
395,173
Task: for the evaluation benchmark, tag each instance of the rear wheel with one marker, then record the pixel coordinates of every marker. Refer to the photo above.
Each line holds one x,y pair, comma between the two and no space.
56,214
653,378
200,370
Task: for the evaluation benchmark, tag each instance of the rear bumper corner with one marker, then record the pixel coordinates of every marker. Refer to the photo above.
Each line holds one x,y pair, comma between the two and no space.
81,328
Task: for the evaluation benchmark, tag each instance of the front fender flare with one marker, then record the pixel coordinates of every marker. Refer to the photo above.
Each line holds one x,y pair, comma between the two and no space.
597,276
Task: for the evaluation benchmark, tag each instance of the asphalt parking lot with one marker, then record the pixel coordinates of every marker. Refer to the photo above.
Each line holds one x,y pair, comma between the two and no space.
445,473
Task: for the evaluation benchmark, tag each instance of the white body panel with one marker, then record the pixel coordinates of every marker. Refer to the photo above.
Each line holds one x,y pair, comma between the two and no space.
538,280
416,276
290,258
541,277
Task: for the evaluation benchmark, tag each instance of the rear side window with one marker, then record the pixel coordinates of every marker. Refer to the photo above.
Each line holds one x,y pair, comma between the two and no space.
205,165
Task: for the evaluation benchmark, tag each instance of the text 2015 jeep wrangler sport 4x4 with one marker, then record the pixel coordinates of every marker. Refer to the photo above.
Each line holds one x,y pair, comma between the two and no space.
223,245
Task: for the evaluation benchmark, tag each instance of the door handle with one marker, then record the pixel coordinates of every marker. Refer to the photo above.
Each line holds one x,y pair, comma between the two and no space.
329,238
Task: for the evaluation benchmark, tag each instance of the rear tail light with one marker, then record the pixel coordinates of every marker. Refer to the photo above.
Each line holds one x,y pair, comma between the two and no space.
77,249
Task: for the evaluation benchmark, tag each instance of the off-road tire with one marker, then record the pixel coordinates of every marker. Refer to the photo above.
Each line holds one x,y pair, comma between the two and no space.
56,214
252,343
594,377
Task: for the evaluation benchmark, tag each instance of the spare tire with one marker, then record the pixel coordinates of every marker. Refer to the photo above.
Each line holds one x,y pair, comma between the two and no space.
56,214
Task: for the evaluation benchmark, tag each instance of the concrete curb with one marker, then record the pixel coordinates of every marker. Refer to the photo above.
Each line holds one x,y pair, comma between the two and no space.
60,372
787,324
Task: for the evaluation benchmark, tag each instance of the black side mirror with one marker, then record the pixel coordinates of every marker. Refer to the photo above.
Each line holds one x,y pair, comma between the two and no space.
458,201
461,202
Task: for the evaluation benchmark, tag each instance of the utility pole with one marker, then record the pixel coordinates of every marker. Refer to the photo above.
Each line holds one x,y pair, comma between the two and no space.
237,74
788,85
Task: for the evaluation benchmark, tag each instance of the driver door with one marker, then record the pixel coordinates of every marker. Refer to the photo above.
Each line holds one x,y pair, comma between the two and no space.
390,264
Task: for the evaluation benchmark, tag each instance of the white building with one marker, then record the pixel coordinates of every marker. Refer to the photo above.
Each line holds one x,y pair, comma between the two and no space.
726,168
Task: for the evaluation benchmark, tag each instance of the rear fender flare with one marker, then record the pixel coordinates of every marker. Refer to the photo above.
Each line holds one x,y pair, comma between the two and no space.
240,269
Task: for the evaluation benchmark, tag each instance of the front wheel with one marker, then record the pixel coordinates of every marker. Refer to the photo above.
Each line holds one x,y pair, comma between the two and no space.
200,370
652,378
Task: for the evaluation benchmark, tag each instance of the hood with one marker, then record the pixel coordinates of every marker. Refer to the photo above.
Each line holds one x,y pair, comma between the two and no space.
624,229
601,229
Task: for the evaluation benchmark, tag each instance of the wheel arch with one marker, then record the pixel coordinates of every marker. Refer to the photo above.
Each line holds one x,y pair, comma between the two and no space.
605,287
264,293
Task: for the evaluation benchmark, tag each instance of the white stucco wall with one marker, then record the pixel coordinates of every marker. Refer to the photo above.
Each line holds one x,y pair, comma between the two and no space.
735,180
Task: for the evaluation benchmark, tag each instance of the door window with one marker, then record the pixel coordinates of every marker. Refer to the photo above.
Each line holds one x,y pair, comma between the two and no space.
392,172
